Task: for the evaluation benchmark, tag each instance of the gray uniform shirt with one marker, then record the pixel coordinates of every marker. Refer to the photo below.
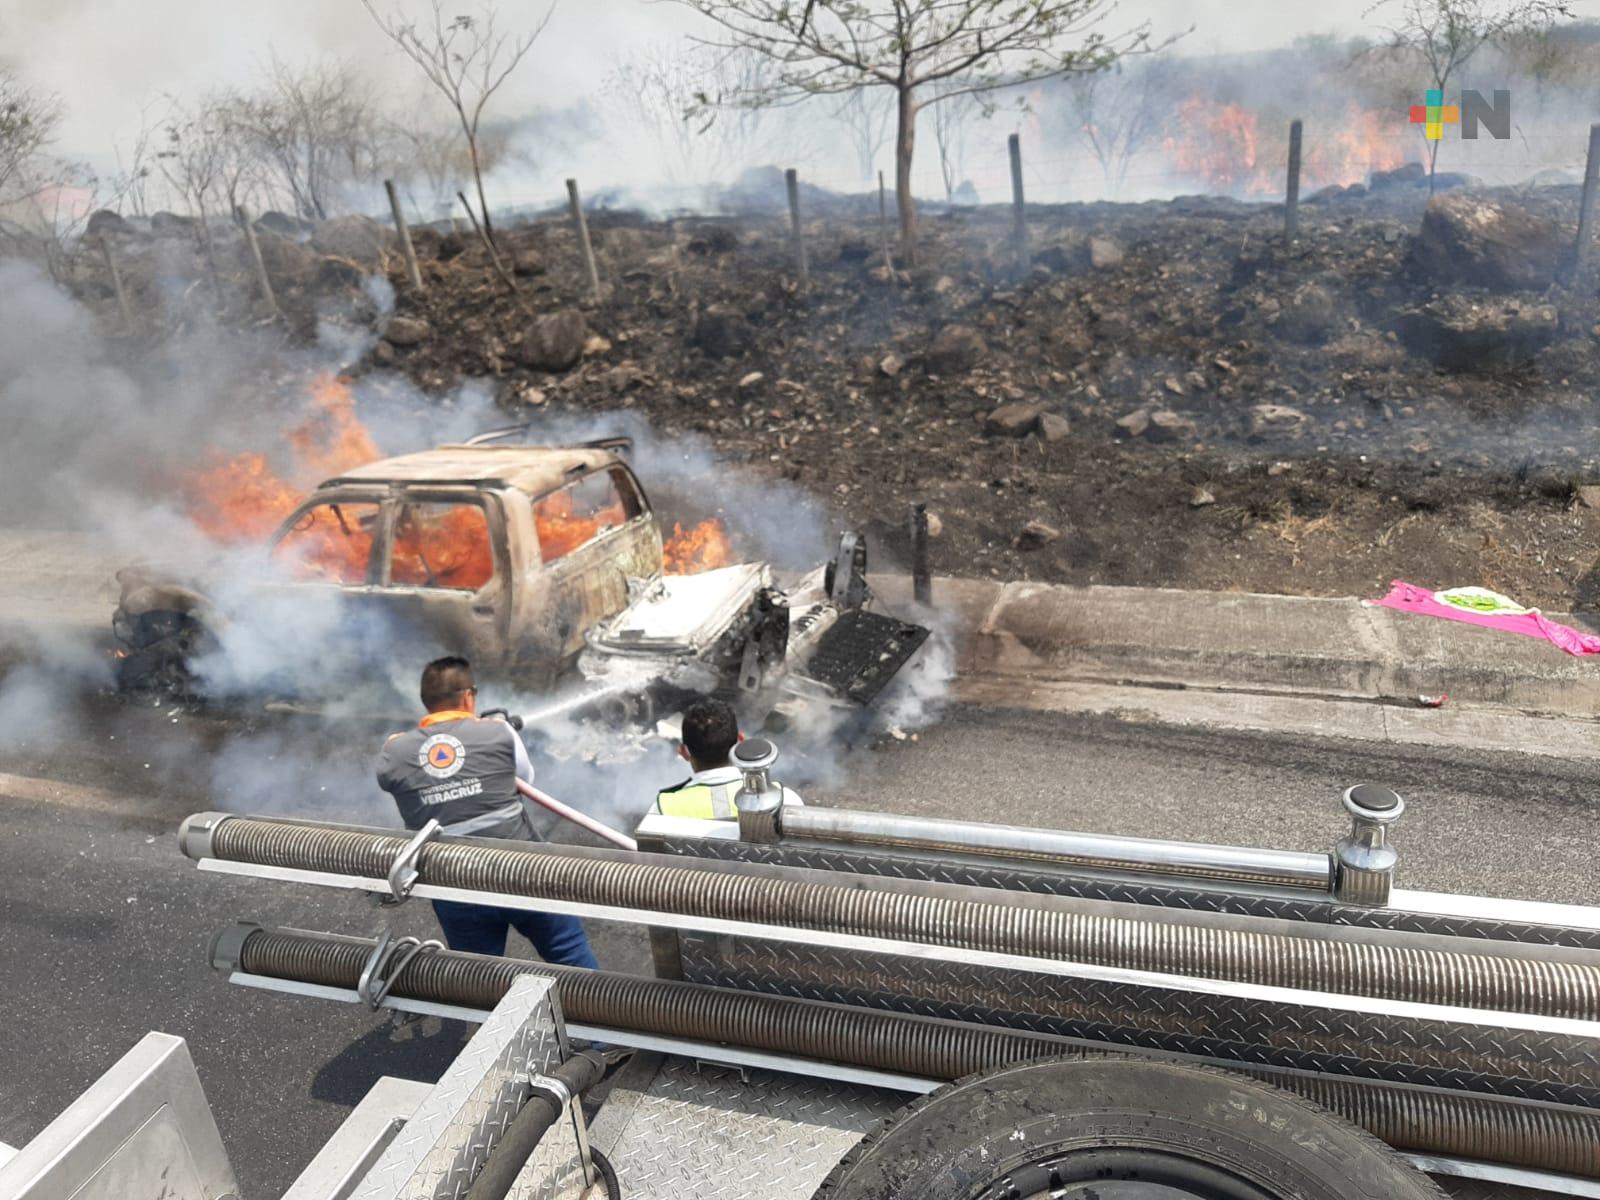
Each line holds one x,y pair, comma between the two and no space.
460,771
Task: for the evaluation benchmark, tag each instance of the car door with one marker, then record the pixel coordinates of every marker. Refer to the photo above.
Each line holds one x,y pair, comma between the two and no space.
594,534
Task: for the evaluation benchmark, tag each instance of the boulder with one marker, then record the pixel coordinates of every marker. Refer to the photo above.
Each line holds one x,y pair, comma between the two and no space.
1169,426
954,349
1013,420
105,223
1035,534
357,238
526,262
1458,331
1267,420
891,365
1201,498
554,341
1053,427
722,332
406,331
1474,240
1310,316
1104,254
285,259
168,224
281,223
1589,495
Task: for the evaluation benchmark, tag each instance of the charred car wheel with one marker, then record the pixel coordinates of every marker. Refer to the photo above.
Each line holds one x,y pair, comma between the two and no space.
156,652
1119,1130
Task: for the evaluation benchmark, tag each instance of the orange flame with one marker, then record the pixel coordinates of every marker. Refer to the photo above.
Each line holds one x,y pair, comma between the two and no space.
1222,146
703,548
240,498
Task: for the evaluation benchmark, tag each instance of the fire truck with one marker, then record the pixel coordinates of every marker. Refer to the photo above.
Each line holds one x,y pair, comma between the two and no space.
851,1005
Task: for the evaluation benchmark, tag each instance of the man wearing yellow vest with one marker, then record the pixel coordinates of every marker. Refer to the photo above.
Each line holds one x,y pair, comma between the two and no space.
710,732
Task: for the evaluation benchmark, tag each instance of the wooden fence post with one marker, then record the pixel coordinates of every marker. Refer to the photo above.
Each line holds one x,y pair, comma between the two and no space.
583,238
1591,175
413,272
116,282
1291,205
1019,223
262,277
791,179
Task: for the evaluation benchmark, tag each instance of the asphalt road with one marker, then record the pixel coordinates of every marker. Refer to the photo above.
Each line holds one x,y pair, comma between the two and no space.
104,926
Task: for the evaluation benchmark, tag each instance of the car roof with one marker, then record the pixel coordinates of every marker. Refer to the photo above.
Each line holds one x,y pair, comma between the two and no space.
531,469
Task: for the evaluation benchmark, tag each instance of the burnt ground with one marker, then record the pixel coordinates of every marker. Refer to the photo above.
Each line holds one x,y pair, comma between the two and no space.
1393,449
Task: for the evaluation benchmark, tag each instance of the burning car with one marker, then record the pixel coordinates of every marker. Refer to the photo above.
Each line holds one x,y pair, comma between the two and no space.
540,563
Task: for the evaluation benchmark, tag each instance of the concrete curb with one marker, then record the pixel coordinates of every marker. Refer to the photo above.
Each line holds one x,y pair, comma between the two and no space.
1038,635
1069,649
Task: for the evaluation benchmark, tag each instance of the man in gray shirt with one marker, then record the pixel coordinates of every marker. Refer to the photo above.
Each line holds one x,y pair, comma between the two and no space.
461,770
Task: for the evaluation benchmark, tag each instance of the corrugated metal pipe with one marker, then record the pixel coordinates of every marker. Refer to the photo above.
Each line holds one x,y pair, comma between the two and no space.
1457,1124
1551,987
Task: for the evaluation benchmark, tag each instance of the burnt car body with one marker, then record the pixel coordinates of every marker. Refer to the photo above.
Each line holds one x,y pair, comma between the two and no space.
540,564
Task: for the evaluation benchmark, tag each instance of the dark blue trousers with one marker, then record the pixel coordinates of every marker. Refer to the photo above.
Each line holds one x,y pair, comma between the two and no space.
482,929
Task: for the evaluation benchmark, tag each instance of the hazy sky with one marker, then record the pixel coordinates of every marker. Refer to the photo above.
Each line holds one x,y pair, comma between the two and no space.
111,60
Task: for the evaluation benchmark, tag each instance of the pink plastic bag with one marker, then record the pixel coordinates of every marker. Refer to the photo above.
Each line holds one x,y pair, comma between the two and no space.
1407,597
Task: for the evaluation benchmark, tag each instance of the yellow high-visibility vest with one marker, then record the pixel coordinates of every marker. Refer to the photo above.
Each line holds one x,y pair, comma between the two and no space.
705,801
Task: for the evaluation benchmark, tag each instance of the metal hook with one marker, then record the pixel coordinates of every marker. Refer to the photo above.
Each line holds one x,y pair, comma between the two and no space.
403,874
375,983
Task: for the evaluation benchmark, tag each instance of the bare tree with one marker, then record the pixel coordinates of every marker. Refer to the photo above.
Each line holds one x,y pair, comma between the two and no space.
655,86
949,128
466,58
1444,35
313,130
1116,113
866,115
28,120
834,47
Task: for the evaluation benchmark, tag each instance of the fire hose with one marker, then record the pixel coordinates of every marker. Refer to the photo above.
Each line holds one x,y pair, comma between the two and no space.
1552,1137
1559,988
581,820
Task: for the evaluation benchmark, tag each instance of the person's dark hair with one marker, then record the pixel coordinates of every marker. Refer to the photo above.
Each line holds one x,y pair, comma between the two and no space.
443,681
710,731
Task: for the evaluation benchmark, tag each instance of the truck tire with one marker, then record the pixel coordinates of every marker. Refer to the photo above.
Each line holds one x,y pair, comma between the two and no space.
1119,1130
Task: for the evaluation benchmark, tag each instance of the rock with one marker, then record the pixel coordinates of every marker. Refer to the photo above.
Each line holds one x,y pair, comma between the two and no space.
943,285
105,223
1168,426
750,380
720,332
1475,240
713,239
1200,497
357,238
954,349
1409,175
855,250
1104,254
891,365
1311,316
527,262
167,224
1053,427
1589,495
554,341
383,355
286,260
1172,385
281,224
1035,534
334,273
595,344
1276,419
406,331
1013,420
1459,331
1135,423
935,525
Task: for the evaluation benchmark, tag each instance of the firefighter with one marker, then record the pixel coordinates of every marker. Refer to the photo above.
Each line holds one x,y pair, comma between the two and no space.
461,770
710,732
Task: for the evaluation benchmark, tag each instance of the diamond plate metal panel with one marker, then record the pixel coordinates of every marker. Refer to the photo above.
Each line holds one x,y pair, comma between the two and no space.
1058,882
1503,1062
443,1146
718,1134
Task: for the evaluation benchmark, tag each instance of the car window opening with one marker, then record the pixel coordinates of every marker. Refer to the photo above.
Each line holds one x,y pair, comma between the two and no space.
441,545
330,543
